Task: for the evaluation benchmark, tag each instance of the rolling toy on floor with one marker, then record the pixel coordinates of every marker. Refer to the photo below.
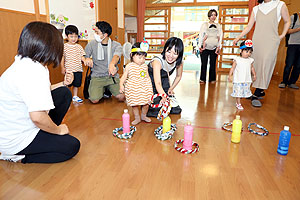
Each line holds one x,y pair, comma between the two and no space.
127,129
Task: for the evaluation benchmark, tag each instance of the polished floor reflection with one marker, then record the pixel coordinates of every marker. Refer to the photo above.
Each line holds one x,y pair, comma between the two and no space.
146,168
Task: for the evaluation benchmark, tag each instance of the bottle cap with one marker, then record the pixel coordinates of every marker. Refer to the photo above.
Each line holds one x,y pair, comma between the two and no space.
189,123
237,117
125,111
286,128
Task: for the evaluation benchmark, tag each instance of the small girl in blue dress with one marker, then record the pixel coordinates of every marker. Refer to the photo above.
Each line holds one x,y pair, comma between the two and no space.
240,73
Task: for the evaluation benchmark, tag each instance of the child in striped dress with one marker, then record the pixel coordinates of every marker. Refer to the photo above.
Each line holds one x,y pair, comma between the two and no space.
136,82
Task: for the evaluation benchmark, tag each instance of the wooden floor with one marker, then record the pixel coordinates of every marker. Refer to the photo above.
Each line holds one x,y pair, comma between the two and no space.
146,168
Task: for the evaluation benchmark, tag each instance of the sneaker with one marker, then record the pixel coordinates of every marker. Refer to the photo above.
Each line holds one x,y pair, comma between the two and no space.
77,99
107,94
282,85
239,106
293,86
257,97
12,158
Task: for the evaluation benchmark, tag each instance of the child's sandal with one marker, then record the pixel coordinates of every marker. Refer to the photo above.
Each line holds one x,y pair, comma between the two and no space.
239,106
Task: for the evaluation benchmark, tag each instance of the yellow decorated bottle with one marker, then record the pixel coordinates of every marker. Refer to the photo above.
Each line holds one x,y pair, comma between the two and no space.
236,130
166,124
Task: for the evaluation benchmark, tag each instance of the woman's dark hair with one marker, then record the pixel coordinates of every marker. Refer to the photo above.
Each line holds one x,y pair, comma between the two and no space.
41,42
245,49
104,27
260,1
211,11
70,29
137,45
177,42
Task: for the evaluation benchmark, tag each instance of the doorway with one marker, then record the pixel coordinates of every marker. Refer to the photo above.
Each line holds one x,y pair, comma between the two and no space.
185,22
191,18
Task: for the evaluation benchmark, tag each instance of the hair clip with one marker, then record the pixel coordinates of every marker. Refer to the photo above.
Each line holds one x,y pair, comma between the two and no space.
144,46
248,43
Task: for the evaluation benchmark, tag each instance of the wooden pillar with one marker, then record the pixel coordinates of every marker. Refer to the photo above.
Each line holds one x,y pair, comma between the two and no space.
47,10
140,19
37,10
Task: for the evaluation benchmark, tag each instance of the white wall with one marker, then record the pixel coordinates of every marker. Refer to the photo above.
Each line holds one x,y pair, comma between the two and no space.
18,5
78,12
23,5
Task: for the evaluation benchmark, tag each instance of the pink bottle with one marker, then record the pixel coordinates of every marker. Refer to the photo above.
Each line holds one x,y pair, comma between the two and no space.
188,136
126,121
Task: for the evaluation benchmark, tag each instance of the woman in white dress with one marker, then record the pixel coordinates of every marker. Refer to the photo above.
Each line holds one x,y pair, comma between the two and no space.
266,40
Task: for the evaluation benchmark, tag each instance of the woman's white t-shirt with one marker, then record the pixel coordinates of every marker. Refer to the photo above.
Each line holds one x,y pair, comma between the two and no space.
164,64
242,72
268,7
24,88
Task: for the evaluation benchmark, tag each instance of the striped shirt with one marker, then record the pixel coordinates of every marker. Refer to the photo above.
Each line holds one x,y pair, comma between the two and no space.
138,86
72,56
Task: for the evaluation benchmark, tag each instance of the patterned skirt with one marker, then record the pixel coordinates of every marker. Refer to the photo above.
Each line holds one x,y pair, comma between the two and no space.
241,90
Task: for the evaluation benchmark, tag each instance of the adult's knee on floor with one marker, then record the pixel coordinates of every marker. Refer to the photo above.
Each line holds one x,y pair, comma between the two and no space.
121,97
95,101
72,146
65,93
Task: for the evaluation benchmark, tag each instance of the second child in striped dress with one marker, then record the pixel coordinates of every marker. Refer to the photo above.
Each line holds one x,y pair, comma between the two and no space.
73,55
136,83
